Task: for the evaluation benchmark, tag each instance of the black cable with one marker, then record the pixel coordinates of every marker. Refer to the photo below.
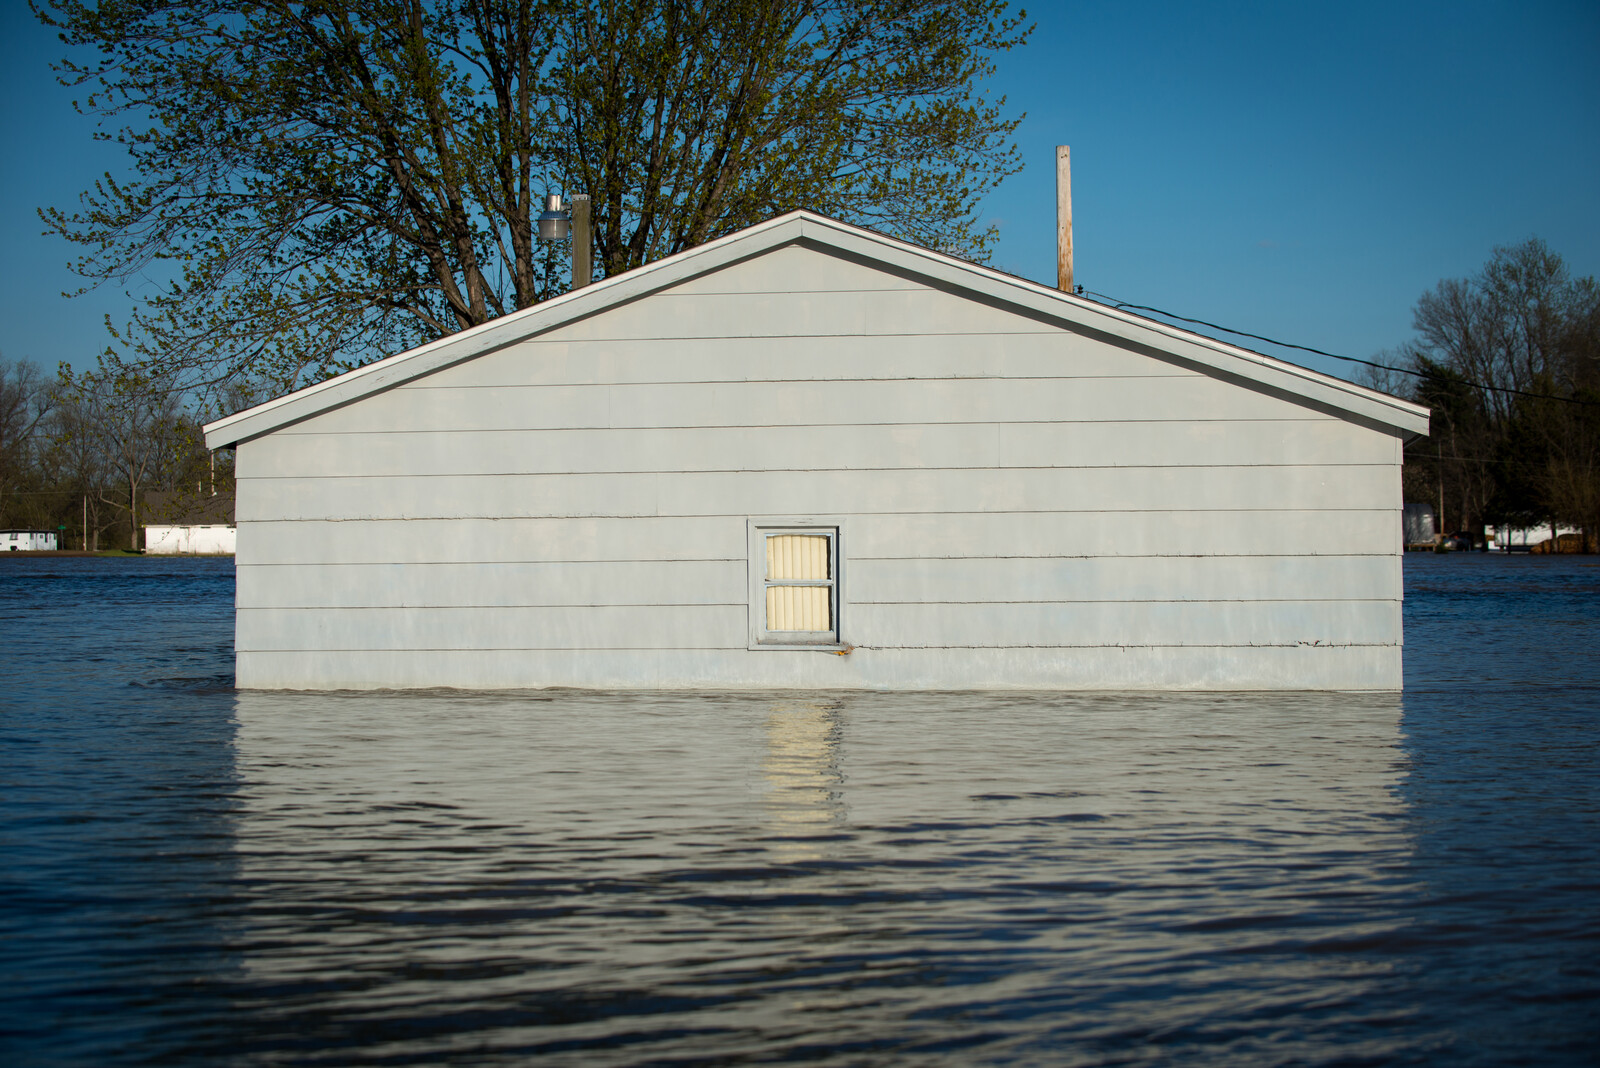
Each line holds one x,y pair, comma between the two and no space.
1122,304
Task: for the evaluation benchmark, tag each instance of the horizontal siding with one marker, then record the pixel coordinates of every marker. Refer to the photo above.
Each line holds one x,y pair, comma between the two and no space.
962,534
494,585
584,451
602,627
821,404
1278,668
684,314
909,446
1181,578
878,581
1020,506
1199,443
541,361
293,543
795,269
812,492
1118,623
1098,624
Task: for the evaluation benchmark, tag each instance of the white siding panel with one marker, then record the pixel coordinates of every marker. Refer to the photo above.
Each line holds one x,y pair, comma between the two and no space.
1036,534
1203,532
1198,623
504,585
1374,667
805,492
1040,626
468,452
1190,578
580,451
651,627
795,269
544,362
674,314
421,408
1200,442
461,409
940,401
292,544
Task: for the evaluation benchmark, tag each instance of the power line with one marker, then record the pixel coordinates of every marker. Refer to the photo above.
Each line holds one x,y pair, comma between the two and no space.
1122,304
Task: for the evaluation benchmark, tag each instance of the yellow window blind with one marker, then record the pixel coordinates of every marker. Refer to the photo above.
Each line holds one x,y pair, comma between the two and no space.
799,558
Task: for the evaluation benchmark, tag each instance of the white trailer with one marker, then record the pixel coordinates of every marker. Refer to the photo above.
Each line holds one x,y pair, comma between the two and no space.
28,541
193,539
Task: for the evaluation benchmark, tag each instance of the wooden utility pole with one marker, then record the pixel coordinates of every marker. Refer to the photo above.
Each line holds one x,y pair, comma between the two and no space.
1064,218
582,242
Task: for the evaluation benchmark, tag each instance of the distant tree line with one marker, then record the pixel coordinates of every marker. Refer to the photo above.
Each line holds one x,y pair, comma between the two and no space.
81,452
1509,362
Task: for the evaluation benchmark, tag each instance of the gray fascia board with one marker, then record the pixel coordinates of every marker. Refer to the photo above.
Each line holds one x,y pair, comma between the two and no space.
1039,301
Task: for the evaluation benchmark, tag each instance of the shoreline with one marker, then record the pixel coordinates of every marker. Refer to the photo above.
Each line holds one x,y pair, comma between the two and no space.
112,554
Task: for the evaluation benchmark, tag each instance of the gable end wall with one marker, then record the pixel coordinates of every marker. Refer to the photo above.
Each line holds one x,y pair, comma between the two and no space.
1020,506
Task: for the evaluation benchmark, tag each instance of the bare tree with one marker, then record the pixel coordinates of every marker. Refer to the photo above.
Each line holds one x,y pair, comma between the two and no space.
1509,361
24,403
73,463
127,423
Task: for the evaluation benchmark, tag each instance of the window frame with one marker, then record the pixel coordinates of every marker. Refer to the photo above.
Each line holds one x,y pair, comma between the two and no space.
758,529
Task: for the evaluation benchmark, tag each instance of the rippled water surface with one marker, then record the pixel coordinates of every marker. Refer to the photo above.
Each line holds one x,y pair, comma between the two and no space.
197,876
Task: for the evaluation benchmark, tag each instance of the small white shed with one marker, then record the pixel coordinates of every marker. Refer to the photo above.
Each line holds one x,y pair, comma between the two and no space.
808,455
189,539
185,523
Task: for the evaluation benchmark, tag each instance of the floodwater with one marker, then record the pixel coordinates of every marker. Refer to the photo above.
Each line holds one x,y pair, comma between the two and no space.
196,876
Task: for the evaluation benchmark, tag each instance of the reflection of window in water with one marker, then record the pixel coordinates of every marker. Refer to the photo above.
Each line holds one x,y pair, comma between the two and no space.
801,768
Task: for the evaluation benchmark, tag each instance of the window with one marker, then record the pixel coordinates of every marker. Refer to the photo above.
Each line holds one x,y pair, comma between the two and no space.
794,584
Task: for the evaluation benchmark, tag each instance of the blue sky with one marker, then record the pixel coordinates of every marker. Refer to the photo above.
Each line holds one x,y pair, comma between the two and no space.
1299,171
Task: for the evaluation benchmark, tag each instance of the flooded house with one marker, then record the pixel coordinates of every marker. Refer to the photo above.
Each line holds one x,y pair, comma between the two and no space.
808,455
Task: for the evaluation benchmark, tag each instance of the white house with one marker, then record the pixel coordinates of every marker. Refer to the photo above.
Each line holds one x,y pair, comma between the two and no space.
808,455
26,541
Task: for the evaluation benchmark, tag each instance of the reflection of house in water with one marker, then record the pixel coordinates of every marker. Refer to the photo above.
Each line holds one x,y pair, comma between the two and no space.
804,787
544,859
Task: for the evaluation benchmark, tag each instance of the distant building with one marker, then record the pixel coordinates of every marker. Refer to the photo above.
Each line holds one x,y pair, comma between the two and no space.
198,539
199,523
808,455
28,541
1515,539
1419,525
